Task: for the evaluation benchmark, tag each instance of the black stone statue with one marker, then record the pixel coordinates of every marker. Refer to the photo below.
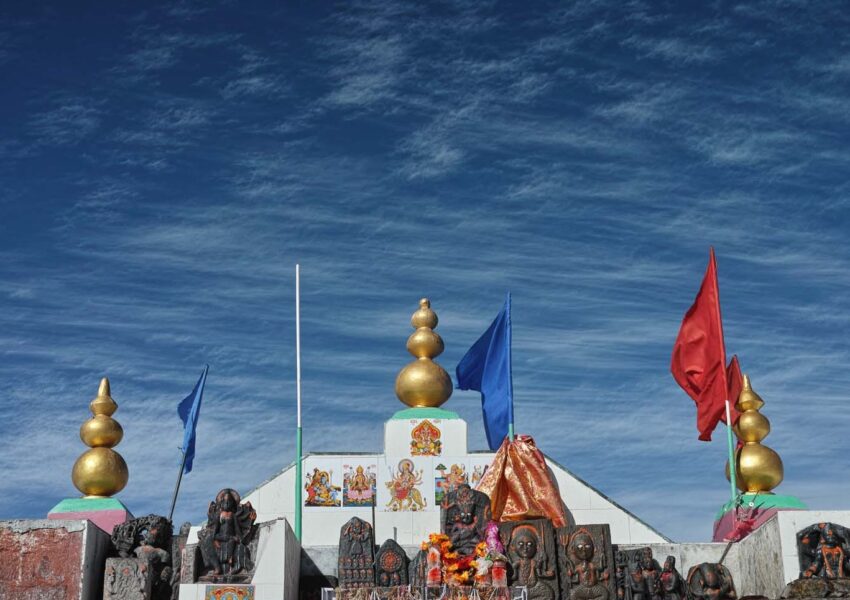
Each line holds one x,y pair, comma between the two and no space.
672,584
644,576
391,564
710,581
225,538
464,514
145,540
356,564
823,550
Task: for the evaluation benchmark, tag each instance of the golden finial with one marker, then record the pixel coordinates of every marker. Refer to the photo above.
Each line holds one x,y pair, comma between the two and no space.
101,471
759,467
423,382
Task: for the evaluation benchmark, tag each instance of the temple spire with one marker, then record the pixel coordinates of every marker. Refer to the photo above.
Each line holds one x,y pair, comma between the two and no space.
101,471
424,383
759,468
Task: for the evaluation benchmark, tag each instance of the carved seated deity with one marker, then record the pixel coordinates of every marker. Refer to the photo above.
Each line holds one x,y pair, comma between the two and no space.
672,584
588,583
464,514
530,565
823,551
645,578
710,581
225,538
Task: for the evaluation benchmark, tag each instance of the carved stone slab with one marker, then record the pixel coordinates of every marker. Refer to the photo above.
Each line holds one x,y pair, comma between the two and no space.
356,563
532,556
391,565
127,579
603,560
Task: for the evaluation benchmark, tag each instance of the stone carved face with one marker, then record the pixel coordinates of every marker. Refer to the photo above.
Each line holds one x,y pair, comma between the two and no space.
583,546
646,558
828,537
525,543
670,564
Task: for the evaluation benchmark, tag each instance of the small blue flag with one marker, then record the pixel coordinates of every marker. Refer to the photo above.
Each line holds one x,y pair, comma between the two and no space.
189,409
487,368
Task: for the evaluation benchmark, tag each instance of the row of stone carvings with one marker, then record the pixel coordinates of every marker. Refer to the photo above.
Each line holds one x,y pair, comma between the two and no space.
151,562
567,563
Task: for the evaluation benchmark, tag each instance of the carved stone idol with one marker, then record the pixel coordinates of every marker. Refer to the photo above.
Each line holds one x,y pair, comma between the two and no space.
710,581
823,550
644,575
621,575
587,580
391,564
146,543
464,514
532,557
672,584
356,555
574,573
224,540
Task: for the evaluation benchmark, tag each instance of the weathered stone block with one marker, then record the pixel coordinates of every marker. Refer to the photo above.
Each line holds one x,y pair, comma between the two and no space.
127,579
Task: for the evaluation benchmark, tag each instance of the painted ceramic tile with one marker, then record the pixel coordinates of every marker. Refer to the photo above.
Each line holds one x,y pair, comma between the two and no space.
407,485
229,592
447,478
322,484
359,483
478,466
425,438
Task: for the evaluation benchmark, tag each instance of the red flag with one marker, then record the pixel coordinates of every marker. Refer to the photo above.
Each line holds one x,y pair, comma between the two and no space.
736,384
699,354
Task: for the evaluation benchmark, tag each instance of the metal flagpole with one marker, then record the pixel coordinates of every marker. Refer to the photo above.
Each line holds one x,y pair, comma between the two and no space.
177,487
510,370
732,465
298,452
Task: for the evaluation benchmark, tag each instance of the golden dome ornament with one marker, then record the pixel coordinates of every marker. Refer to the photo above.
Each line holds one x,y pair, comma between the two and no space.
100,471
759,468
424,383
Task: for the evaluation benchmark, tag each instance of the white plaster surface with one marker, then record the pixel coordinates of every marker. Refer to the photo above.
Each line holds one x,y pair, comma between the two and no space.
274,498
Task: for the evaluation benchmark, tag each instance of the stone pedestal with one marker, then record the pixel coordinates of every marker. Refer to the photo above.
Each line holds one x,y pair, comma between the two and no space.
106,513
52,560
127,579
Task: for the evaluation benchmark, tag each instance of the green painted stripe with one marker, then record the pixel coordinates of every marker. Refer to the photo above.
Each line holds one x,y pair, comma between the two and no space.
762,501
425,413
70,505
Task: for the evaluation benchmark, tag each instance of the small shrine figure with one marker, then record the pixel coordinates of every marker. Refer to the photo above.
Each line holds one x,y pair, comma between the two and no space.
529,563
491,563
710,581
404,495
823,551
356,555
224,540
391,564
672,584
587,582
425,440
320,490
464,515
147,539
645,579
621,574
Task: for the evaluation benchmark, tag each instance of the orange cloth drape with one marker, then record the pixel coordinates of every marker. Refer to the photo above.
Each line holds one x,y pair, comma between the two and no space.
519,484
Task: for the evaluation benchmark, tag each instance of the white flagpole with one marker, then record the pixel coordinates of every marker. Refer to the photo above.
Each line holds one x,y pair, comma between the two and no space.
298,449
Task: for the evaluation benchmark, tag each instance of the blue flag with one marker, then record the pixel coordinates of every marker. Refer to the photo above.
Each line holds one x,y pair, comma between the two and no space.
189,409
487,368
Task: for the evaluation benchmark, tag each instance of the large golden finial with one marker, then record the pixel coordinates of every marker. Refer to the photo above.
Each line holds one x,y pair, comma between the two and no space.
423,382
101,471
759,467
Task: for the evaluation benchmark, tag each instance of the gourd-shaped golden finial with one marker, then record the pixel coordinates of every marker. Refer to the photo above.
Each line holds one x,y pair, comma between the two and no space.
759,467
101,471
423,382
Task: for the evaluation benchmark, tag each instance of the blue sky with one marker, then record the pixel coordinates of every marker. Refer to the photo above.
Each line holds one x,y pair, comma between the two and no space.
164,169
